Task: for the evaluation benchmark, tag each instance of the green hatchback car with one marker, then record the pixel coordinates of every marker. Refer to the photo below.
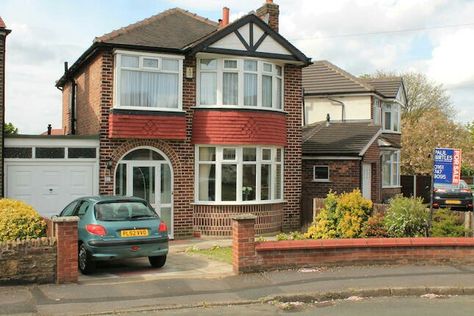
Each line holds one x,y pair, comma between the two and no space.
116,227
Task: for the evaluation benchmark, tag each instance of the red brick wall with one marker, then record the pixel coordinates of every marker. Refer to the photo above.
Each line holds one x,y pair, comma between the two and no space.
65,229
292,164
239,127
156,126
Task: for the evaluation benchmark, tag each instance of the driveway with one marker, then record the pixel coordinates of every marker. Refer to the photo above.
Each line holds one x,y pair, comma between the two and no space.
179,264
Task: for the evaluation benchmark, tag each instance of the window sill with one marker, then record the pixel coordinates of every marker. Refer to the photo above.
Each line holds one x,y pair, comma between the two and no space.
392,187
387,131
145,109
323,181
239,203
235,107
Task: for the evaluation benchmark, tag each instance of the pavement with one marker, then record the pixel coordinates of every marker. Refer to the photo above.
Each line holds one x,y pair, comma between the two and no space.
141,290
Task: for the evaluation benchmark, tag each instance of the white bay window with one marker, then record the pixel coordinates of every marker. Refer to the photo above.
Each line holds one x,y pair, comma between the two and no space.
391,117
227,174
240,83
146,81
391,169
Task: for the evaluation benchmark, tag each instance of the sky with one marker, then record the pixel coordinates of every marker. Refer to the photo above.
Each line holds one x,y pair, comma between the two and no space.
435,37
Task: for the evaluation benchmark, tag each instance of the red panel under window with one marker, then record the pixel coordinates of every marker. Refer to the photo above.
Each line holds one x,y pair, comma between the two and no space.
147,126
239,127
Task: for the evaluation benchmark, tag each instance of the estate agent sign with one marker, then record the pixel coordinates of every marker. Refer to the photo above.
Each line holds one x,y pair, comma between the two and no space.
447,166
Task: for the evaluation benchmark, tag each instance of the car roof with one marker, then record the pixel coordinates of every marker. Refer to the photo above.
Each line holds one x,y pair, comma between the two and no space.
111,198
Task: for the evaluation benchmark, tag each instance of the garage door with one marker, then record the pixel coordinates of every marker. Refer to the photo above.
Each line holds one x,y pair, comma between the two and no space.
49,187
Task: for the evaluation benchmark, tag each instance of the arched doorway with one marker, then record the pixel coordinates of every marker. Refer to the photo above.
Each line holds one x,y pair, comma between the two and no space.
147,173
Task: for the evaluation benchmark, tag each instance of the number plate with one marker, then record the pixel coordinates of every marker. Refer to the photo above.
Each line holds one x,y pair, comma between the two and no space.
453,202
134,233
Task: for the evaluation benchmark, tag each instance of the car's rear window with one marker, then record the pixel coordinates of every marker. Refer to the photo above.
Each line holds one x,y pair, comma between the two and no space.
121,211
462,185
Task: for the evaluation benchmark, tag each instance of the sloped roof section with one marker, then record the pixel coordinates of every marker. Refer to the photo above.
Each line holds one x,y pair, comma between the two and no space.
387,87
174,29
323,77
338,138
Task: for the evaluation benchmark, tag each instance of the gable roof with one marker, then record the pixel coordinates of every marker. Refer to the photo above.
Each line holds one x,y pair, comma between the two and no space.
173,28
204,44
339,138
323,77
389,87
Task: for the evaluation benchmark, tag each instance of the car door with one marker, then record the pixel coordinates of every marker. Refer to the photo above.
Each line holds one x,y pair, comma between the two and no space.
69,210
81,211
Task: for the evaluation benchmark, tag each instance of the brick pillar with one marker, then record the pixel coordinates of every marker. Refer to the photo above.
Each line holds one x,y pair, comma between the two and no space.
243,243
65,229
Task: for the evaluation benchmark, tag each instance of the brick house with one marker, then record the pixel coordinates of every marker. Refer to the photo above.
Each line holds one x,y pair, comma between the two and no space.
352,133
3,37
202,119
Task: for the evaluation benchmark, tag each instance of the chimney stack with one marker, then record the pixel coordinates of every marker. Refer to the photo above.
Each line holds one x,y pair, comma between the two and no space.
269,12
225,17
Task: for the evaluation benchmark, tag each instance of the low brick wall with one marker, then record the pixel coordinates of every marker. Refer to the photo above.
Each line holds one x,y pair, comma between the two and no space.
250,256
28,261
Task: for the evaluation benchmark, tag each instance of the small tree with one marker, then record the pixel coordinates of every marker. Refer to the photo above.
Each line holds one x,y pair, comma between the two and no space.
10,129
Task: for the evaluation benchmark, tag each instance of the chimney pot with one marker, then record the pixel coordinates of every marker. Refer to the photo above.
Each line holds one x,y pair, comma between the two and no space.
49,129
225,16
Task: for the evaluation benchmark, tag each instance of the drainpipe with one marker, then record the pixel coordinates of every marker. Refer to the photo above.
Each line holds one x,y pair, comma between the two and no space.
304,107
342,105
72,120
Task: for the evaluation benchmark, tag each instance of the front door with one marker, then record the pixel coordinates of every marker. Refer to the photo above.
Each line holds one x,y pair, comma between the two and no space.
150,180
367,180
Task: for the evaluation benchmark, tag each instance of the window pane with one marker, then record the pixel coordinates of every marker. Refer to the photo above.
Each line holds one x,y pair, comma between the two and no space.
231,88
166,93
150,62
121,179
278,182
250,154
208,64
229,153
250,65
278,155
386,169
143,154
278,94
130,90
250,89
207,154
267,91
207,182
388,120
208,87
18,152
170,65
51,153
321,173
165,181
265,182
278,69
249,182
129,61
229,182
232,64
81,152
267,67
266,154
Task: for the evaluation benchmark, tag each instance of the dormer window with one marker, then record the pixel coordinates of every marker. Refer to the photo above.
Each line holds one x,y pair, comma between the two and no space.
234,82
146,81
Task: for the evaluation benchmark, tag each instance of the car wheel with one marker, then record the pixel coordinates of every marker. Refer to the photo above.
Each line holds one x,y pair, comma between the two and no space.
157,261
86,264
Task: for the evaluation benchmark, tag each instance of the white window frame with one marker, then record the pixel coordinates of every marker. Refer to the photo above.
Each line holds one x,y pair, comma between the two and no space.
144,55
321,180
394,167
394,114
239,162
377,112
240,70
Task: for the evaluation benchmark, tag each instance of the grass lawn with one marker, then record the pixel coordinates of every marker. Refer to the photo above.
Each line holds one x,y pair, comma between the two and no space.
223,254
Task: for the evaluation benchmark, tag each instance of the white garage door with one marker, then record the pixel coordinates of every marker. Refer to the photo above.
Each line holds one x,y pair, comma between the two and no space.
49,187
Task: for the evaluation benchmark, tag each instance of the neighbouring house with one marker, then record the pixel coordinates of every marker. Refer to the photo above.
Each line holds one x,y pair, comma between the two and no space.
352,133
202,119
3,38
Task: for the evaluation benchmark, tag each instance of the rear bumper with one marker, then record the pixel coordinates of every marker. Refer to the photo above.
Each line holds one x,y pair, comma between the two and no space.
128,242
464,204
111,249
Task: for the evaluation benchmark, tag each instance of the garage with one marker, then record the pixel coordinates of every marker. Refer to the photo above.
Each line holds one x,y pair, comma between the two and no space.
48,172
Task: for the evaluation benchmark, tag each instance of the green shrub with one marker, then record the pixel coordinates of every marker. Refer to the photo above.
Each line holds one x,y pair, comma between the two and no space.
18,220
446,224
342,216
406,217
374,227
290,236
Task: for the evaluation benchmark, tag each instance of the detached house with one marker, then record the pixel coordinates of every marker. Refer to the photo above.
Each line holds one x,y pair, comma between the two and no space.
202,119
351,137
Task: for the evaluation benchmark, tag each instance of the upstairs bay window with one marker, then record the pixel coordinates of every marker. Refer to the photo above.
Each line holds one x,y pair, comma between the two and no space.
148,81
391,117
240,83
227,174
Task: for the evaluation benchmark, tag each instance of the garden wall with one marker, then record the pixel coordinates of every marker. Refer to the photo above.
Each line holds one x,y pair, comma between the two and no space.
250,256
28,261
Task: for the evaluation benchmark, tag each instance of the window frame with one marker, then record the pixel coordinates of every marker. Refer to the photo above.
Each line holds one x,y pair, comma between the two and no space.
146,55
239,162
241,73
377,112
328,179
394,166
395,116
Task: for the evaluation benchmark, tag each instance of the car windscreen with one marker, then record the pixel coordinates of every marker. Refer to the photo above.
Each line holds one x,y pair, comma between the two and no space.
123,210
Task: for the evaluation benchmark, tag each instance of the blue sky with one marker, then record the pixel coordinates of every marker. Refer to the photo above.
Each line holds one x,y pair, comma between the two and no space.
48,32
